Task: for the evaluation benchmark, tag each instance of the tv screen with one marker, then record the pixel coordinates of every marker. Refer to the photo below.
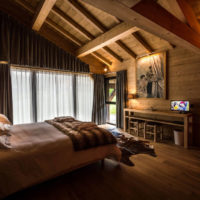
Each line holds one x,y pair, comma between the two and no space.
180,105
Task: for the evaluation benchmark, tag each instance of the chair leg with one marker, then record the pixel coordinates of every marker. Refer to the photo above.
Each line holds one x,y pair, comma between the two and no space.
155,133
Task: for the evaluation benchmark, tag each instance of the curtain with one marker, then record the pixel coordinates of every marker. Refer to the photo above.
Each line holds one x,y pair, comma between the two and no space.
22,96
42,95
99,107
6,107
22,46
84,97
54,95
121,96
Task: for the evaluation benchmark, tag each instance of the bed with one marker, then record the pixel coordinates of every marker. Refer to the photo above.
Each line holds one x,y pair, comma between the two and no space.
40,152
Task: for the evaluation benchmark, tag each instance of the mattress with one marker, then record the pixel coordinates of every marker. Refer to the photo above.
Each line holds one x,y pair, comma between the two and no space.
40,152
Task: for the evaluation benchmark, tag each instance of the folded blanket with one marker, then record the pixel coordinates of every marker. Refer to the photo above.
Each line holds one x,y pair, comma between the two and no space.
84,135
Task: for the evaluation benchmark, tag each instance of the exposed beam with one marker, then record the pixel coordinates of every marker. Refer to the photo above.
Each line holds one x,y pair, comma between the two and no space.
101,58
125,48
84,13
173,7
151,17
62,31
112,53
142,42
81,30
112,35
72,23
42,12
189,15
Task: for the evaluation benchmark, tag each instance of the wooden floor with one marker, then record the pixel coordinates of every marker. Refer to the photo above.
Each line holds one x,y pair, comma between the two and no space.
173,174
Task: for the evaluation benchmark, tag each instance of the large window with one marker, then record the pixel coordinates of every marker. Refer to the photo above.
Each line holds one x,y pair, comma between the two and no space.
110,87
41,95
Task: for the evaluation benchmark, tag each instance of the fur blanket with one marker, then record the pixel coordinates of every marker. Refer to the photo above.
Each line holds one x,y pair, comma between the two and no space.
84,135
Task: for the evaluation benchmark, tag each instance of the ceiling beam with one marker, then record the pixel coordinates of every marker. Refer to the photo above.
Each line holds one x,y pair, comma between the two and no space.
189,15
142,42
95,22
62,31
42,12
101,58
81,30
112,35
153,18
84,13
126,49
112,53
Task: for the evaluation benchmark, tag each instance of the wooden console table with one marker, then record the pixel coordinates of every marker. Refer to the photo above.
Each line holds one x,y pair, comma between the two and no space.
169,118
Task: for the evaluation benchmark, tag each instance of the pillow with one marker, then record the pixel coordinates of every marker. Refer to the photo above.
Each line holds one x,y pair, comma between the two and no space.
4,119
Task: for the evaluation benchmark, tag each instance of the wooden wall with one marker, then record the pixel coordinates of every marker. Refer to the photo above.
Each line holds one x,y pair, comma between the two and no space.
183,83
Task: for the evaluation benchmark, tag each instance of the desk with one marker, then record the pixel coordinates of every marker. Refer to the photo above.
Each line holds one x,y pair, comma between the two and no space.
163,117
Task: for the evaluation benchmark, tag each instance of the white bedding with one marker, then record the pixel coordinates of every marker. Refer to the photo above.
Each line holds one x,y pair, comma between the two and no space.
40,152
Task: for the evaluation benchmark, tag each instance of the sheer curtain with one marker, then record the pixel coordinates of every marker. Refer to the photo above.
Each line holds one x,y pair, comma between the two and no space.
42,95
22,96
84,97
54,95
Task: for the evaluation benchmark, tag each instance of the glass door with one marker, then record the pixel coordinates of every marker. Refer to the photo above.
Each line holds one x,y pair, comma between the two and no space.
110,90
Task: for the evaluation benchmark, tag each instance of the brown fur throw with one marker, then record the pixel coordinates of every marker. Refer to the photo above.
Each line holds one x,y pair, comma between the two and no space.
84,135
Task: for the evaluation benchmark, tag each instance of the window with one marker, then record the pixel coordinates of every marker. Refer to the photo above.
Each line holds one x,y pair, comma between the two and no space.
110,87
42,95
22,96
84,96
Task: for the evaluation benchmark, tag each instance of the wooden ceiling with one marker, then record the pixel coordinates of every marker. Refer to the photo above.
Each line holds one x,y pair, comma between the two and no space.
94,32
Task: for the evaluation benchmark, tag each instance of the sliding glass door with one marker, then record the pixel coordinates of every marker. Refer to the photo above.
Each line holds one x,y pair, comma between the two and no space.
42,95
110,90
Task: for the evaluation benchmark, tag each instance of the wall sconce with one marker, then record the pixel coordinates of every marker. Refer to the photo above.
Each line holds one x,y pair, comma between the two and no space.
132,96
105,69
3,62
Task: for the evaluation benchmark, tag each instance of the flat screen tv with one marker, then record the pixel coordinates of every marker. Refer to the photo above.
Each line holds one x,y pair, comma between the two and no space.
180,106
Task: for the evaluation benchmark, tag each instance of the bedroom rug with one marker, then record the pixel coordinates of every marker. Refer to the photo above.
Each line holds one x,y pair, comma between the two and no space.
129,146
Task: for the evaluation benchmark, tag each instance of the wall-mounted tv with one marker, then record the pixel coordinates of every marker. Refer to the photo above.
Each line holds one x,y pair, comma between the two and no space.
180,106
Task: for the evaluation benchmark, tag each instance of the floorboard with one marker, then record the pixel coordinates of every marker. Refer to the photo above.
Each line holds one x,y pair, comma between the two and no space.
173,174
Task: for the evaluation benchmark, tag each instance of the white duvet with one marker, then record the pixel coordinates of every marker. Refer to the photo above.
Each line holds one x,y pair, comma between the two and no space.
40,152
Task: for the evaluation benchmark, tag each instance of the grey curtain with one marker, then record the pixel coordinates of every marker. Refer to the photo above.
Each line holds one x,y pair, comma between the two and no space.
22,46
6,92
99,106
121,95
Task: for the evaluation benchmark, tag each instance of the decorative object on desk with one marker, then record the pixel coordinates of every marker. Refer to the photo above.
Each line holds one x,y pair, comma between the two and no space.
129,146
151,76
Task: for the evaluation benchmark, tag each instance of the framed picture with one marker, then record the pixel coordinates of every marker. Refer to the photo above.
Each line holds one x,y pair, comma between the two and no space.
151,76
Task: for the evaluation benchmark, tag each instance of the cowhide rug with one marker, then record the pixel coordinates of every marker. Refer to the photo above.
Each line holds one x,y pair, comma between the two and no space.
129,146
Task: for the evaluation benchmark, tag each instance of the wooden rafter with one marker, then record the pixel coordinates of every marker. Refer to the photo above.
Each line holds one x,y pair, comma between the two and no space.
142,42
189,15
125,48
82,31
62,31
152,18
112,35
101,58
42,12
90,18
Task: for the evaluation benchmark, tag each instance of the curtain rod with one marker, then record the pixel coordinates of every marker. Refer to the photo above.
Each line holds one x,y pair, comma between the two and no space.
47,69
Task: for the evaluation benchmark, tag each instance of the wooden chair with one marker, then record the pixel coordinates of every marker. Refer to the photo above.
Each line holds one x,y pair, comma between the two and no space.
153,129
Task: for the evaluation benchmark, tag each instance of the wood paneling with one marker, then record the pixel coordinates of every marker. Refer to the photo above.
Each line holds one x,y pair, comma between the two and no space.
183,84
